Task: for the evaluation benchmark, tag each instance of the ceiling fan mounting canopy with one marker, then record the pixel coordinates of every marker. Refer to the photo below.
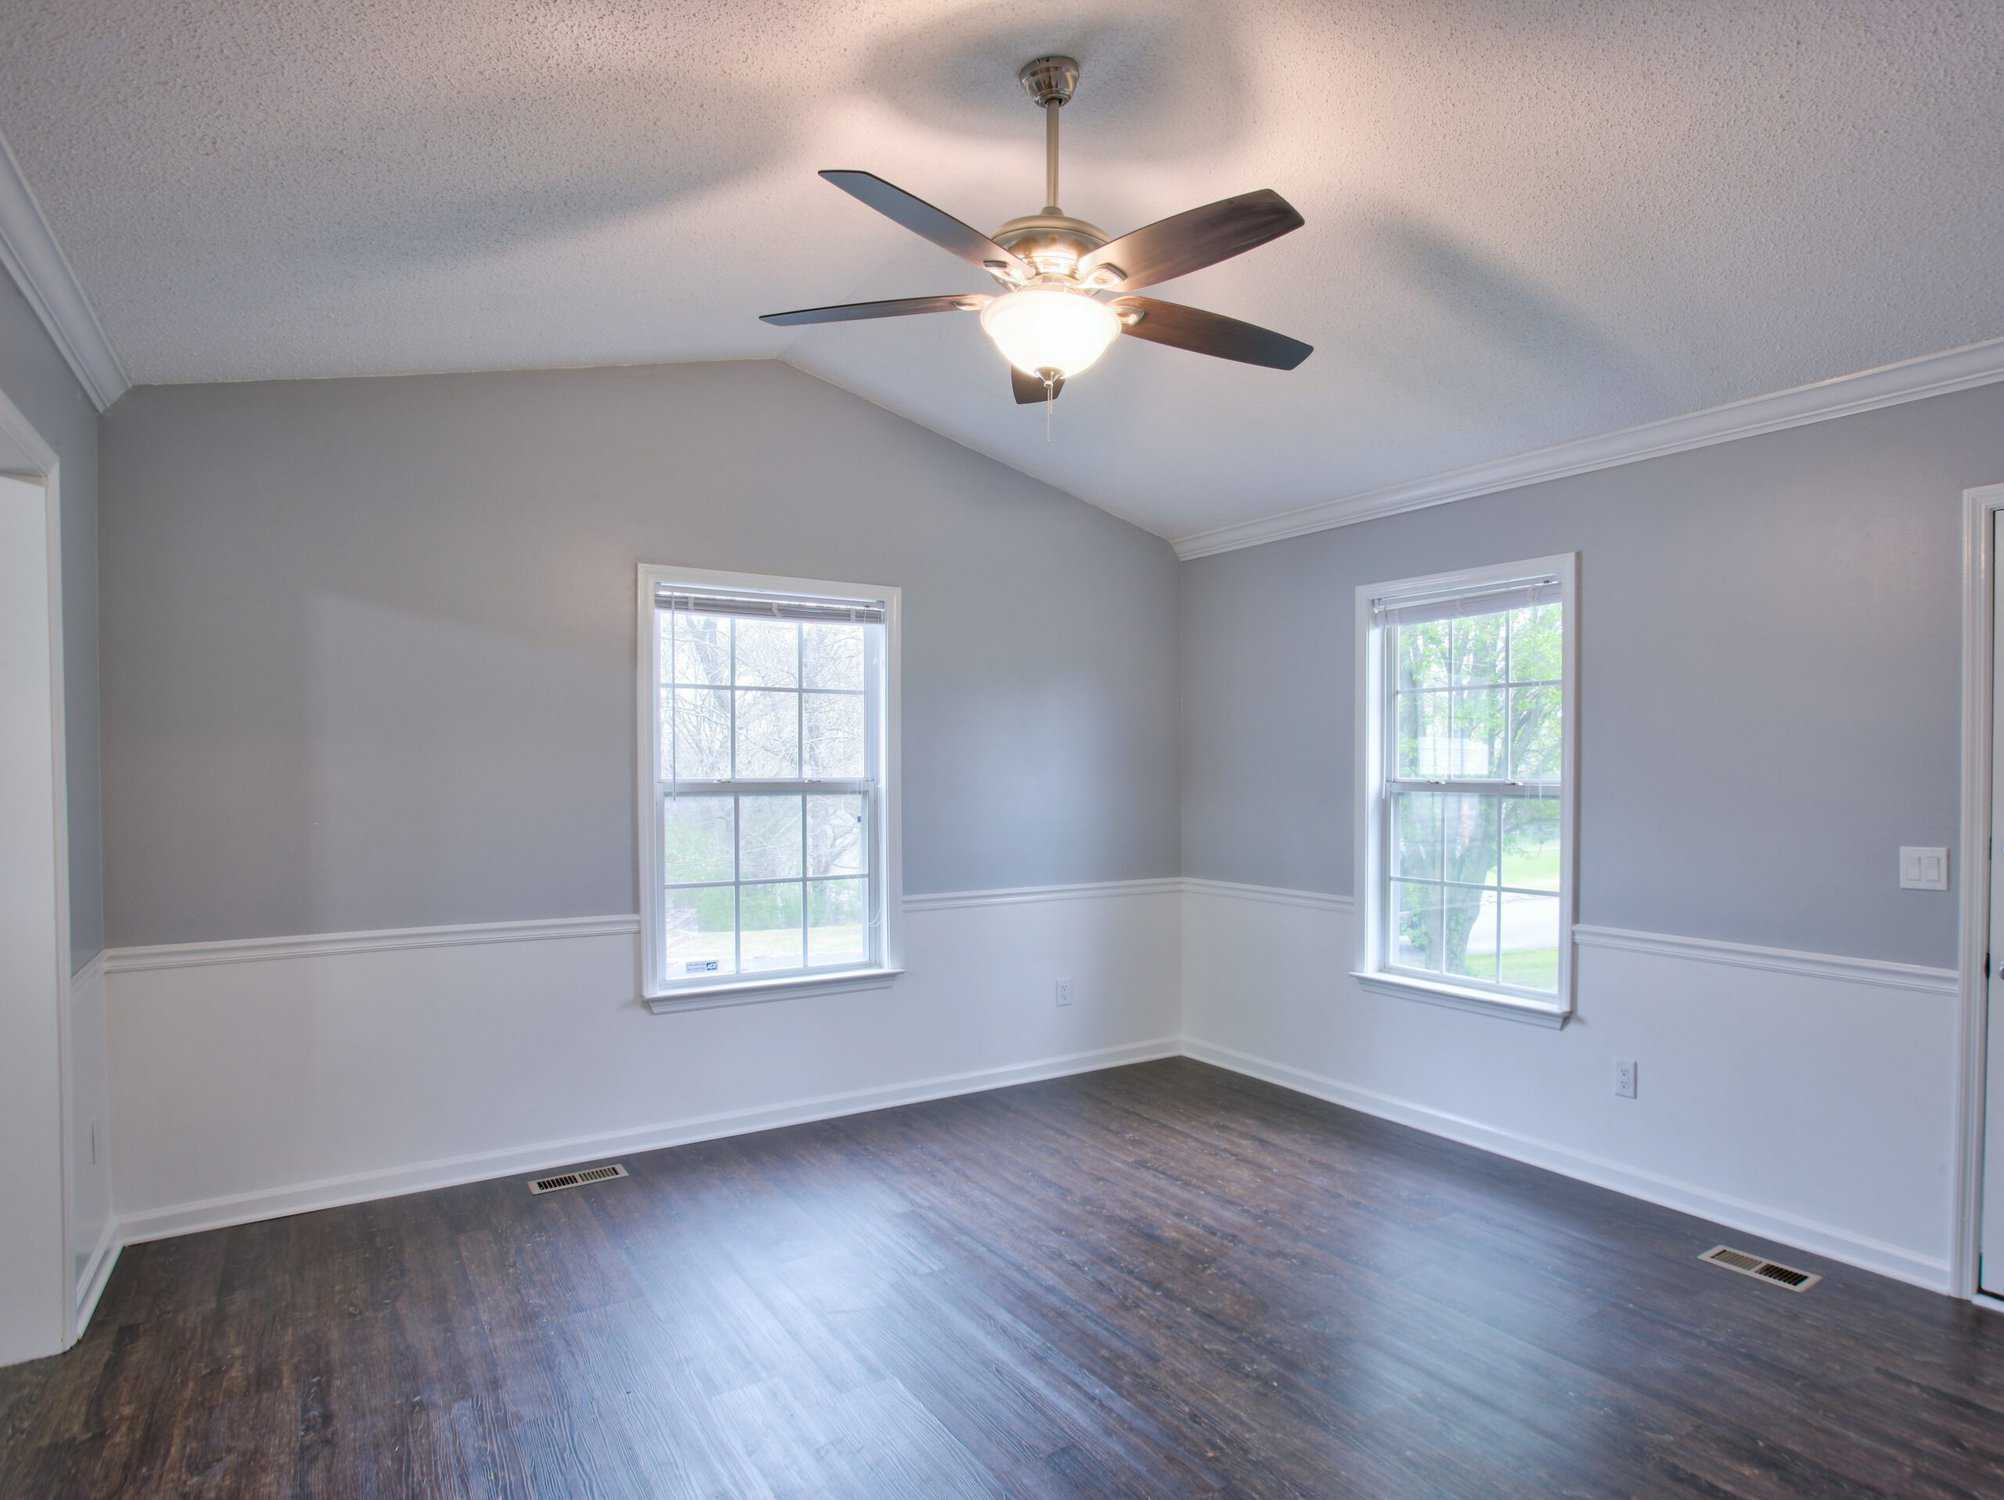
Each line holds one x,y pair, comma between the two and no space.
1052,318
1050,80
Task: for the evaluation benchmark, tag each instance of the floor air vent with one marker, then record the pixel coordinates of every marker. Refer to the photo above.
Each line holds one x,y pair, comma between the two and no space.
1786,1277
557,1181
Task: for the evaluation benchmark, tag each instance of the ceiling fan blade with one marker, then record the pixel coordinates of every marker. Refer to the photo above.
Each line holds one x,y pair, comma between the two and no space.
922,219
1030,390
1203,332
1191,240
897,307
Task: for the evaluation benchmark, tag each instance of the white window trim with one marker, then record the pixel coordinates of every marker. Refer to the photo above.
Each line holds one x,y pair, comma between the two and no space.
888,914
1371,972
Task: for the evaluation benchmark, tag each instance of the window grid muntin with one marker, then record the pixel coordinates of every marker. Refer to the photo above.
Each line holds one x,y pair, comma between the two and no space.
867,787
1500,788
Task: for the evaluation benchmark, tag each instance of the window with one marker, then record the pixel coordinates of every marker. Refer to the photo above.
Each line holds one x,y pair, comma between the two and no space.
768,812
1465,768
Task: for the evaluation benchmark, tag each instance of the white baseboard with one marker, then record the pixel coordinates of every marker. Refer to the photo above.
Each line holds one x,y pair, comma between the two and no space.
96,1275
1749,1218
333,1192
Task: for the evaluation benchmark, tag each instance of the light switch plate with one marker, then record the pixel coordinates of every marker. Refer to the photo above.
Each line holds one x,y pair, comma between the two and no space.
1923,869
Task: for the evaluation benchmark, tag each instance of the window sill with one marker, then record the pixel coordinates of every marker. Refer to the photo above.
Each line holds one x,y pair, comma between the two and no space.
1460,997
752,991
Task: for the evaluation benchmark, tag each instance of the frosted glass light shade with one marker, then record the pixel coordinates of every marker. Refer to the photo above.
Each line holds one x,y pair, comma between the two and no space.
1040,328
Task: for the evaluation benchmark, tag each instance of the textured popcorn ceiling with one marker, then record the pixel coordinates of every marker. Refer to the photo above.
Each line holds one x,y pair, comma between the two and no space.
1527,222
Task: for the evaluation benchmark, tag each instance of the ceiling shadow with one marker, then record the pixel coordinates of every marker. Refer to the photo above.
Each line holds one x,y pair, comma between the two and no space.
485,175
1500,308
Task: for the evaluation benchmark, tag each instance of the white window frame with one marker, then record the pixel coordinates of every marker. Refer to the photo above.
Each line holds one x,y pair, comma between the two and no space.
1373,804
663,995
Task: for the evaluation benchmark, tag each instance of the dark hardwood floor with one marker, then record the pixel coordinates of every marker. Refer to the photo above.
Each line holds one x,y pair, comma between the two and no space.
1160,1280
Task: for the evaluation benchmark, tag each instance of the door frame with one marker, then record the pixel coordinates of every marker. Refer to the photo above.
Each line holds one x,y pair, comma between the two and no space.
1981,508
43,466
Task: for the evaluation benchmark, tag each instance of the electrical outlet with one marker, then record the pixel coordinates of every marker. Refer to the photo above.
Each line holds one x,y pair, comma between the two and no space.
1624,1078
1064,992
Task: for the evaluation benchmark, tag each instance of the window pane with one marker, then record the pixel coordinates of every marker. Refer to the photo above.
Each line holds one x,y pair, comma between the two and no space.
1477,733
768,838
771,918
701,932
1531,842
702,734
1422,653
837,929
768,653
1470,929
695,839
1415,913
1422,746
1468,844
702,648
1530,942
768,736
838,842
833,656
1535,730
1536,636
1478,649
1416,834
835,747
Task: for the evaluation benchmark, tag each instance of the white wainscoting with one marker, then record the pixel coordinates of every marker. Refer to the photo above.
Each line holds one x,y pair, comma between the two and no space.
1800,1097
256,1079
92,1231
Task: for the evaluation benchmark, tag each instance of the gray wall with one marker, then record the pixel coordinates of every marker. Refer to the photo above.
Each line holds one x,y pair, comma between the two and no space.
1769,635
369,643
38,381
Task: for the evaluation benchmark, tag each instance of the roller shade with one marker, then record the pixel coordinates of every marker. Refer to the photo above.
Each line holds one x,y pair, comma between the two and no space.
771,606
1489,599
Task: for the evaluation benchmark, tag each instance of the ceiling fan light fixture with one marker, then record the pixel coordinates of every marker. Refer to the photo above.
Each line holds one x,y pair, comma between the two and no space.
1048,319
1050,328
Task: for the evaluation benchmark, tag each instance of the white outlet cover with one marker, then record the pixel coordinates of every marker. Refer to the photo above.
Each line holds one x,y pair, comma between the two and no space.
1064,992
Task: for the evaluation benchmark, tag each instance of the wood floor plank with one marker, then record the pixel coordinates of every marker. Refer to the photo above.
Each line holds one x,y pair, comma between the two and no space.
1155,1280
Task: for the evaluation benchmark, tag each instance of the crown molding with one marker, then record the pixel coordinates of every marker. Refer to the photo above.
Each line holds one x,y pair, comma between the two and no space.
1846,395
43,273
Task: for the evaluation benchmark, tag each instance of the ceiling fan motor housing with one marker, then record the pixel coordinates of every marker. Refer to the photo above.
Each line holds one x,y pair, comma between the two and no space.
1053,243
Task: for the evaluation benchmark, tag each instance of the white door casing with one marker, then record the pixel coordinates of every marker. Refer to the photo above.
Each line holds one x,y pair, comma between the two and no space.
1990,1255
34,943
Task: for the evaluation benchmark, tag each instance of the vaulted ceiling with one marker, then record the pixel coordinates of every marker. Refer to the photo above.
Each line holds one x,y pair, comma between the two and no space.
1529,221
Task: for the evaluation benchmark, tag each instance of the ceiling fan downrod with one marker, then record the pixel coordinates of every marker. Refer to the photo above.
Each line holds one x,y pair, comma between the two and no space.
1051,82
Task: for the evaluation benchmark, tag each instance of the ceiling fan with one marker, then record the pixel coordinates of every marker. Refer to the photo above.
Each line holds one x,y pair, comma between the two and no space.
1066,286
